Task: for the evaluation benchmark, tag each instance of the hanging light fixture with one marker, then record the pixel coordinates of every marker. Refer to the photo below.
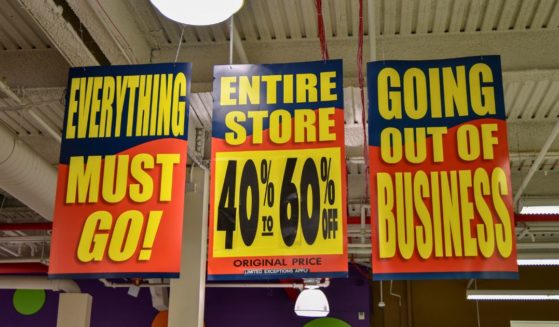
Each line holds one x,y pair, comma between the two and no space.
198,12
312,302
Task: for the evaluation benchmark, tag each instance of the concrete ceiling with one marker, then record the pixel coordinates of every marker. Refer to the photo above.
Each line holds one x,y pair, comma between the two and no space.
40,40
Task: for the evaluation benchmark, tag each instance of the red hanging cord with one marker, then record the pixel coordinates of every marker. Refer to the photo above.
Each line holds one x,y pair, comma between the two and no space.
321,32
362,90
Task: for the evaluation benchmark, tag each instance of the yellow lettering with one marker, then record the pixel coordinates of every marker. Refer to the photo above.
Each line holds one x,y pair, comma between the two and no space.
114,183
249,92
125,235
306,88
143,190
415,93
325,123
503,231
227,90
257,125
391,145
389,102
179,106
72,109
451,214
386,224
482,97
485,231
92,243
424,232
327,85
238,133
107,100
455,91
467,211
280,126
167,161
83,180
305,130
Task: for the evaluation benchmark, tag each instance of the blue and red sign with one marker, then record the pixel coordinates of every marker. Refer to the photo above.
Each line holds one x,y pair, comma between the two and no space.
122,171
278,194
441,197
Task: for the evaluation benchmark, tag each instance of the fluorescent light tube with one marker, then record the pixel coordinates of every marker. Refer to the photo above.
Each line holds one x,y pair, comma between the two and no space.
513,295
538,210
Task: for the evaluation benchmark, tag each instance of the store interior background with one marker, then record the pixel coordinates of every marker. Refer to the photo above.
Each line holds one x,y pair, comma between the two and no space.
41,40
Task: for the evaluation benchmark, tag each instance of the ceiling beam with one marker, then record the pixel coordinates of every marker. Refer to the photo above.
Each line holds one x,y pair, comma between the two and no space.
523,54
49,17
111,24
519,50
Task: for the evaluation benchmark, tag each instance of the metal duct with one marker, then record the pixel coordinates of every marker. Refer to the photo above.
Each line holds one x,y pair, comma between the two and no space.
38,283
25,175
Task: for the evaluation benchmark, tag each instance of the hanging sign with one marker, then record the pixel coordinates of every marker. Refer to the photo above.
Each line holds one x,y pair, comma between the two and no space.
278,192
121,176
440,180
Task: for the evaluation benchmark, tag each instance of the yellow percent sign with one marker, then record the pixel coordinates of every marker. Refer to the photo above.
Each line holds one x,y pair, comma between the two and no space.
282,202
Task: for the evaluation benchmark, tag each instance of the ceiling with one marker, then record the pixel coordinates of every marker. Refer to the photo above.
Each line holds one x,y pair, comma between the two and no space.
40,40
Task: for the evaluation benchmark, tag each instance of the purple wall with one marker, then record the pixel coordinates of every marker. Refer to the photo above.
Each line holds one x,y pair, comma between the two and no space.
230,307
224,307
111,307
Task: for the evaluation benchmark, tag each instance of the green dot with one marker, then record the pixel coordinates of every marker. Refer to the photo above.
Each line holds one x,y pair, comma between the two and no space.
327,322
29,302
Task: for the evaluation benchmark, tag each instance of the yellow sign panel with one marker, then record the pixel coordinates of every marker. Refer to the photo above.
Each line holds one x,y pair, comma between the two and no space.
290,201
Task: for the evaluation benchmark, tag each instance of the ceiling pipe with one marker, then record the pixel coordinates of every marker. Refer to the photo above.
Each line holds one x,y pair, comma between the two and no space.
23,268
26,226
299,286
11,282
21,260
25,175
536,165
25,239
535,217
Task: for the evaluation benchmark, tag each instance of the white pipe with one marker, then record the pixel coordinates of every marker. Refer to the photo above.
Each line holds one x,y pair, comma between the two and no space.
25,175
264,285
372,30
536,165
231,38
299,286
364,209
127,285
23,260
10,282
25,239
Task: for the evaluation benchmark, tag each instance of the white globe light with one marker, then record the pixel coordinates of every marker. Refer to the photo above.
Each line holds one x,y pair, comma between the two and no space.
312,303
198,12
